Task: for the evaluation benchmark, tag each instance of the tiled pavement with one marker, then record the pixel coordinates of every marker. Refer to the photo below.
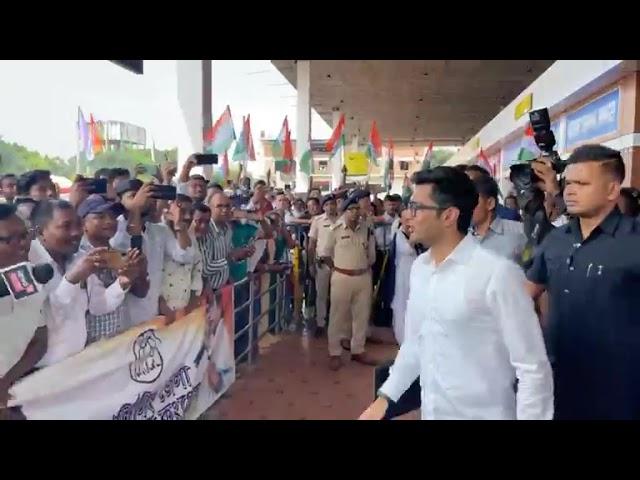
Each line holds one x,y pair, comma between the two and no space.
291,381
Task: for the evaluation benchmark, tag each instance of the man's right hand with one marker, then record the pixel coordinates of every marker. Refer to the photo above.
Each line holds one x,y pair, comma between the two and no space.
78,191
187,167
376,410
543,168
140,200
94,260
168,171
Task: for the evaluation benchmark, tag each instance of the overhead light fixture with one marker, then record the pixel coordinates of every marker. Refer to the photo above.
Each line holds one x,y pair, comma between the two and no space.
417,116
426,74
341,101
420,99
328,75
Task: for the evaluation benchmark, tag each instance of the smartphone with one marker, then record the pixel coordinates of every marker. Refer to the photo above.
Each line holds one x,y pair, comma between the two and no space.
164,192
206,158
136,242
96,186
115,259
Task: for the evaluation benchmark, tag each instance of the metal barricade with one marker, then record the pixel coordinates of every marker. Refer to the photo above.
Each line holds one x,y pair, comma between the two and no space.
254,321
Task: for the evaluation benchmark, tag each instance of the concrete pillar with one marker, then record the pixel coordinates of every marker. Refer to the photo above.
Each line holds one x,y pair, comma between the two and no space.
303,125
337,161
195,92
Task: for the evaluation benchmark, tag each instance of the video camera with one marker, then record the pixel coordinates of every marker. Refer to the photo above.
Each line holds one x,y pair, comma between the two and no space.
530,197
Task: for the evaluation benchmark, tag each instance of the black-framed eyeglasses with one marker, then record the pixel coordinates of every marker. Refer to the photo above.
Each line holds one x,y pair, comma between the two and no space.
414,207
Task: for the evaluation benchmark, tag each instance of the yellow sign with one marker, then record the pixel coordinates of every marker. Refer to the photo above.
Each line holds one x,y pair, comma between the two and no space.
357,163
524,106
475,143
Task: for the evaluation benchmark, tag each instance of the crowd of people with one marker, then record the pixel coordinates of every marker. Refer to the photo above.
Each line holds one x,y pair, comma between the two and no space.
443,266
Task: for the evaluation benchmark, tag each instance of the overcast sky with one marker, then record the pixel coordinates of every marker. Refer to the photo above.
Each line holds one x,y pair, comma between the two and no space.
39,100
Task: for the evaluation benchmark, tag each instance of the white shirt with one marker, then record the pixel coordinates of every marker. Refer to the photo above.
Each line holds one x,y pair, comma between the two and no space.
471,330
63,310
405,256
19,320
157,242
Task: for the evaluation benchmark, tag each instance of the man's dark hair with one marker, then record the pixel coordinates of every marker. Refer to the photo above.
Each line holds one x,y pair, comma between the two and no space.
201,207
6,211
313,199
610,159
477,169
487,187
181,197
461,166
451,188
118,172
259,182
102,173
632,197
28,180
217,186
44,210
388,198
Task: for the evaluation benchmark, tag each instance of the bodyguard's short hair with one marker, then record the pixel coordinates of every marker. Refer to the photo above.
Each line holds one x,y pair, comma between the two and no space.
610,159
451,188
477,169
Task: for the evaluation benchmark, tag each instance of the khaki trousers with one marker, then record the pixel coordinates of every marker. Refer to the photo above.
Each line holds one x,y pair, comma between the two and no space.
350,311
323,277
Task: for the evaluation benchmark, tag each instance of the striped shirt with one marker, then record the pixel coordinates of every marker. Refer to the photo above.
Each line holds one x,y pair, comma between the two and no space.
215,247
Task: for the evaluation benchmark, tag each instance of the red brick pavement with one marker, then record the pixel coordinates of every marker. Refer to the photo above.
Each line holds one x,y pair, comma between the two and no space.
291,381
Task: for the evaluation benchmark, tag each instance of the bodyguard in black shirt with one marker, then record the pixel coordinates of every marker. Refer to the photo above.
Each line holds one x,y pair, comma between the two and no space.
591,270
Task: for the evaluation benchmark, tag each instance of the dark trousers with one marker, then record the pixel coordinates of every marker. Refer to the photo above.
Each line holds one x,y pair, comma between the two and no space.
382,312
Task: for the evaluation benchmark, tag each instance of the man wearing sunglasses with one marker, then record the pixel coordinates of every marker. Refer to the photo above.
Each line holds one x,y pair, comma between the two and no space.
350,252
471,329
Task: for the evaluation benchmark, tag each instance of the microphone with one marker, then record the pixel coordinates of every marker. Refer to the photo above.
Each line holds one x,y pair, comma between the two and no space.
41,273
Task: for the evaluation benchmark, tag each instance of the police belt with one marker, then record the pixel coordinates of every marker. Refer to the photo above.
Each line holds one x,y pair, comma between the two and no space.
352,273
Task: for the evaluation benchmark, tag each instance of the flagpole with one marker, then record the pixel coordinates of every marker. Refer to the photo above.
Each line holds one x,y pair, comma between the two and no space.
78,141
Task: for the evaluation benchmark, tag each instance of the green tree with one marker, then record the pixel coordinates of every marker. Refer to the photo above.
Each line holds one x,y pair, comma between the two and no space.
15,158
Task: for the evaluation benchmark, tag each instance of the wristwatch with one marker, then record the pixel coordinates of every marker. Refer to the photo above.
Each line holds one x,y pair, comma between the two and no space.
385,396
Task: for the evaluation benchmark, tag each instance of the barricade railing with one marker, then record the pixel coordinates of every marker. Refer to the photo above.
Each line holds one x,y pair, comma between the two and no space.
251,329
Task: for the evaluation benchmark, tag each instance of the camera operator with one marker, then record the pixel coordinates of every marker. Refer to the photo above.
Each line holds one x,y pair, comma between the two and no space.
22,327
590,268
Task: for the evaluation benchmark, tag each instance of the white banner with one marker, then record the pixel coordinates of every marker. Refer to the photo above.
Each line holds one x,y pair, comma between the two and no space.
152,371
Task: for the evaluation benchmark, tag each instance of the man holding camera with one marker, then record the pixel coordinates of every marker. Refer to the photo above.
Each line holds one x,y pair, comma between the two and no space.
135,229
123,274
590,268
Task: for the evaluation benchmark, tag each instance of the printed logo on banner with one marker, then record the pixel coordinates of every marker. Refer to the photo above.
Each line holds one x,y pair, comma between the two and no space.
147,364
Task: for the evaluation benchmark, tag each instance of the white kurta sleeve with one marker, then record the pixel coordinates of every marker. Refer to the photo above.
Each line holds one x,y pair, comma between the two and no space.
522,336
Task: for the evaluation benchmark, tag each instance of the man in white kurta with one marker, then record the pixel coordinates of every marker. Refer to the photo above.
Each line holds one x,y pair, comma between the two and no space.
471,331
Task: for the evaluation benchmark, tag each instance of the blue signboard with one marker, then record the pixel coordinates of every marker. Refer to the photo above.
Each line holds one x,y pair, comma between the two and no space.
594,120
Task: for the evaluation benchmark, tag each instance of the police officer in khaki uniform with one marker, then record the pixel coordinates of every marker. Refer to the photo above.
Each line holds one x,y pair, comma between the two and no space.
350,251
318,235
